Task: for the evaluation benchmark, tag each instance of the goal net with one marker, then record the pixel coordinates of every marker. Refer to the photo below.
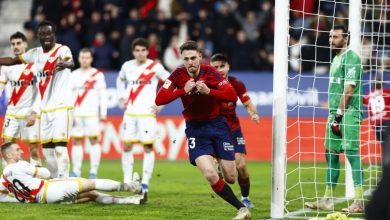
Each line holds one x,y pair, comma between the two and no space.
308,59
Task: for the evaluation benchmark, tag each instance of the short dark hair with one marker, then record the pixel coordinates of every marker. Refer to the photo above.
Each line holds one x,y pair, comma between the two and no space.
140,42
47,23
86,50
189,45
219,57
343,28
6,146
18,35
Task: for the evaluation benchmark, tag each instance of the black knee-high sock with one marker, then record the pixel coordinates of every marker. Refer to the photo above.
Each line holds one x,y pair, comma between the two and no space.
244,186
226,193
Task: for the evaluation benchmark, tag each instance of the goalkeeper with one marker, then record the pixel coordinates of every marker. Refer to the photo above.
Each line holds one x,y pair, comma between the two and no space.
345,116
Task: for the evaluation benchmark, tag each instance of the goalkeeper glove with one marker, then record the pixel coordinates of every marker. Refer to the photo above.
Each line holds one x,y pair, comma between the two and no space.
335,126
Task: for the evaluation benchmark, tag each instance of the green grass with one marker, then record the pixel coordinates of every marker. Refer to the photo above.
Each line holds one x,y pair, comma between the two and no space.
177,191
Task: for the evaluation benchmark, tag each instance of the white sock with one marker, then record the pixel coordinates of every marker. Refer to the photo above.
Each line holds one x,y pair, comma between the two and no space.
109,199
77,159
51,161
147,167
127,166
62,161
95,153
108,185
35,162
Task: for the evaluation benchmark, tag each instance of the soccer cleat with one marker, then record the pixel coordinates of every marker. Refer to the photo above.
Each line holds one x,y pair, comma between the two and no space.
323,204
134,187
243,213
356,207
144,198
247,203
73,174
92,176
136,177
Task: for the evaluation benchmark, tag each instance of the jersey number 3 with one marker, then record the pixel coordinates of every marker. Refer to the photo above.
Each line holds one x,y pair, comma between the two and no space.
191,142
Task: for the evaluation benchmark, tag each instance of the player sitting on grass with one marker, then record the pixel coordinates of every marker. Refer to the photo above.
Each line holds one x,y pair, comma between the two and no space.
27,184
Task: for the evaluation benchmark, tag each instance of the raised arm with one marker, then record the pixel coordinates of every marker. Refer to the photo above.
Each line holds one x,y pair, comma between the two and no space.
9,61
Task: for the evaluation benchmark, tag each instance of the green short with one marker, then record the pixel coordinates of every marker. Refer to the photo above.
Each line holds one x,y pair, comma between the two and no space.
350,129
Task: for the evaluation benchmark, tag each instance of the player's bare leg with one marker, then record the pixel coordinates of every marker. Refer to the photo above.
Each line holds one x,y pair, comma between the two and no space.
95,155
77,156
147,167
206,165
35,159
243,179
63,162
127,162
50,158
228,168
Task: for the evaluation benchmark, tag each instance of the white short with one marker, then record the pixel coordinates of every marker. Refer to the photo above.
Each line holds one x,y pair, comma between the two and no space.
56,125
15,129
60,190
139,129
86,127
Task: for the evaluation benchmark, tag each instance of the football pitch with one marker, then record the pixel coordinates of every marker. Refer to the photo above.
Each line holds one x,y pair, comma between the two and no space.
177,191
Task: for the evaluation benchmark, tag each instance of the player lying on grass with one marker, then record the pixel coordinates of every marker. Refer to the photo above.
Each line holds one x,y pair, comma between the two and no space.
28,184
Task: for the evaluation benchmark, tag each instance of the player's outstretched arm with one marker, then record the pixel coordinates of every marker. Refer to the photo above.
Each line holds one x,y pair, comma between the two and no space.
9,61
42,173
252,111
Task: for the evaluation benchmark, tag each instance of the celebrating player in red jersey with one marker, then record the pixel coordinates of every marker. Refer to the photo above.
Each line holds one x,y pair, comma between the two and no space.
220,62
378,104
201,89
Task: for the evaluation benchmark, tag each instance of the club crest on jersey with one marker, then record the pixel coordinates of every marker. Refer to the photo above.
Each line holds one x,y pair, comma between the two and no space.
167,83
51,59
26,72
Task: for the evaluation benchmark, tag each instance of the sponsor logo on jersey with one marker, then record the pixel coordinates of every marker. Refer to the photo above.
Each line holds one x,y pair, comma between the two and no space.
18,83
139,82
228,146
240,141
167,83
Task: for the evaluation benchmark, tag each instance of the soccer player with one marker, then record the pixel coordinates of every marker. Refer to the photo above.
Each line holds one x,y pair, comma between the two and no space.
345,116
28,184
136,86
378,104
24,102
54,62
220,62
201,89
90,109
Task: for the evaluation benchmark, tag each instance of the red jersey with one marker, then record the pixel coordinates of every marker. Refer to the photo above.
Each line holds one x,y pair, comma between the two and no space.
378,104
228,109
197,107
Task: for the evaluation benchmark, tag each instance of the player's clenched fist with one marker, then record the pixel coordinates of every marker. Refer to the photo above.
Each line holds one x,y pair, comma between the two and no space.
202,88
189,86
335,126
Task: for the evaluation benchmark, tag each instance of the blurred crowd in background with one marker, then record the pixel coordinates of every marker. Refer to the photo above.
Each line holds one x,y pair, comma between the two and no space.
241,29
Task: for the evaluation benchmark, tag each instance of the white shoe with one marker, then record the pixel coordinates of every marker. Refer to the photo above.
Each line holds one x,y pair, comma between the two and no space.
323,204
356,207
243,213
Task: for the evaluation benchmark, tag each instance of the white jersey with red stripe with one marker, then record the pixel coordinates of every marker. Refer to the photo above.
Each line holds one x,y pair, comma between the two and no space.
137,84
89,87
22,177
21,89
57,92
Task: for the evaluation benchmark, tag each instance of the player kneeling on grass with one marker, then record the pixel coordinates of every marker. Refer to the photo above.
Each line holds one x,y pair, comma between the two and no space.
28,184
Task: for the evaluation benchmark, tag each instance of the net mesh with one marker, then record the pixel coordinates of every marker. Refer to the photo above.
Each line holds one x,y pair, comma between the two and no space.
309,58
